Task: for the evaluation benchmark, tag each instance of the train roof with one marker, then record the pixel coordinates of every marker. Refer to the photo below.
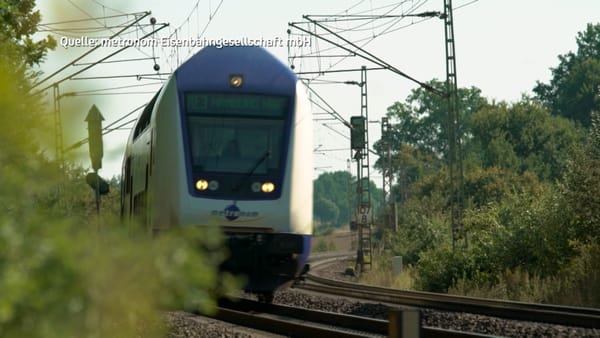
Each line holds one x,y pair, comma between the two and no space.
211,68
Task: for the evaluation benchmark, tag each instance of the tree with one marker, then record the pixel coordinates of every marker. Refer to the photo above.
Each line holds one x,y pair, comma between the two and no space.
419,135
339,187
581,186
573,89
524,137
335,187
20,119
422,120
18,22
326,210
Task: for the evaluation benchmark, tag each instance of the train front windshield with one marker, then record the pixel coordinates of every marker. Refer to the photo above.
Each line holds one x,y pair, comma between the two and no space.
236,133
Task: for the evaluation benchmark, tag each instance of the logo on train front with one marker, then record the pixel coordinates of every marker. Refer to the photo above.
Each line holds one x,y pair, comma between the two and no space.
231,212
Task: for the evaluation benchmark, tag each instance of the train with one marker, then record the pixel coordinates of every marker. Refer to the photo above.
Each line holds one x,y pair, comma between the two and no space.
227,142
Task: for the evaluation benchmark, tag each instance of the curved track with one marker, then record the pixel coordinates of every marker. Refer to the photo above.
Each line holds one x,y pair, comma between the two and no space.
555,314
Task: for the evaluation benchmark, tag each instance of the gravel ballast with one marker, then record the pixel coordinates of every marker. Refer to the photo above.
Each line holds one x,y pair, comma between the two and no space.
182,324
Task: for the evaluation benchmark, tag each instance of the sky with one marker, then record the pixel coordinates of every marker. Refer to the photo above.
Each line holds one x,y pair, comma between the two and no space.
502,47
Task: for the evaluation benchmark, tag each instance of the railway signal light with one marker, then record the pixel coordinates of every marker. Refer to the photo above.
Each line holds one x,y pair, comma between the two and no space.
97,183
94,120
357,133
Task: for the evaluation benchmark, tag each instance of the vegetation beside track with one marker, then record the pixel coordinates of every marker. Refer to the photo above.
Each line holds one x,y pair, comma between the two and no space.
66,271
531,225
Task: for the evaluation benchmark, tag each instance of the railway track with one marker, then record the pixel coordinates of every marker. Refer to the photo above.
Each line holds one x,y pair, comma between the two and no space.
381,320
300,322
554,314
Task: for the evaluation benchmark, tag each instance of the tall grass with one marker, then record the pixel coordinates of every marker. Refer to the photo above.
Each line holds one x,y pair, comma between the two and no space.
382,274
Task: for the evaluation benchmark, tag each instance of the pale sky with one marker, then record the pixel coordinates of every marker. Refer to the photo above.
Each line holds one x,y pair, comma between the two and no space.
502,47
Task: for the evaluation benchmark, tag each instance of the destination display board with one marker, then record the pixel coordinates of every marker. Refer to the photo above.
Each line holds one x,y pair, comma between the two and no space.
236,104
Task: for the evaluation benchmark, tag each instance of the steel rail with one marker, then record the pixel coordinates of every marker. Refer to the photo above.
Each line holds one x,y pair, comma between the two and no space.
554,314
283,320
298,322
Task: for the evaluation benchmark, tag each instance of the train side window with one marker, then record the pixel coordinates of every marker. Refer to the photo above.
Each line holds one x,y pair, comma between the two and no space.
144,119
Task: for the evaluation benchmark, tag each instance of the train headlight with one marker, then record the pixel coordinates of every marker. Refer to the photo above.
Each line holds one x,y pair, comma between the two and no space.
267,187
201,184
255,186
213,185
236,81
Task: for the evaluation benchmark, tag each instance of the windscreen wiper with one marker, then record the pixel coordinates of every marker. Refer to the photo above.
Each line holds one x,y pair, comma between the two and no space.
238,185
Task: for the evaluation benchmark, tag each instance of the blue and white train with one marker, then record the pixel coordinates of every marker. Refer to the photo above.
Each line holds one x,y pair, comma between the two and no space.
227,142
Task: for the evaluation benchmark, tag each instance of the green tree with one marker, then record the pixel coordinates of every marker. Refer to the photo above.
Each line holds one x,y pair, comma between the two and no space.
326,211
422,120
335,187
419,135
339,187
18,23
20,120
572,91
581,186
524,137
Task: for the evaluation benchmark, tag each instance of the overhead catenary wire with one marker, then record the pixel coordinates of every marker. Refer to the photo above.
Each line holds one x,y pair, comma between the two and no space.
372,18
114,93
96,91
370,57
109,128
84,55
101,60
128,28
108,77
332,28
173,57
104,6
364,41
45,24
331,110
393,26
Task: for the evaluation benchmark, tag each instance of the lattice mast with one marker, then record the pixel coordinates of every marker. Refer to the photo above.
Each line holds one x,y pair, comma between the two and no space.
58,130
363,209
454,132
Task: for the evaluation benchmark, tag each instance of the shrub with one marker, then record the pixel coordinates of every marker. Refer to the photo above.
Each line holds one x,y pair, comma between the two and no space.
440,268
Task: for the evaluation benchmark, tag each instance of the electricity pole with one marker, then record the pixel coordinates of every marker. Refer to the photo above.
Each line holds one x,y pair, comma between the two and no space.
58,132
454,132
320,27
360,143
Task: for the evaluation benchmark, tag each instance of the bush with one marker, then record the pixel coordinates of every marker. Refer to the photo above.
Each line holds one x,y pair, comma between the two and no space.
61,277
573,285
577,282
422,225
440,268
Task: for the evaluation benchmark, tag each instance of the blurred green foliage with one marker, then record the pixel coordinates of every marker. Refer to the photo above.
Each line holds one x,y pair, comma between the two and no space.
323,245
64,270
